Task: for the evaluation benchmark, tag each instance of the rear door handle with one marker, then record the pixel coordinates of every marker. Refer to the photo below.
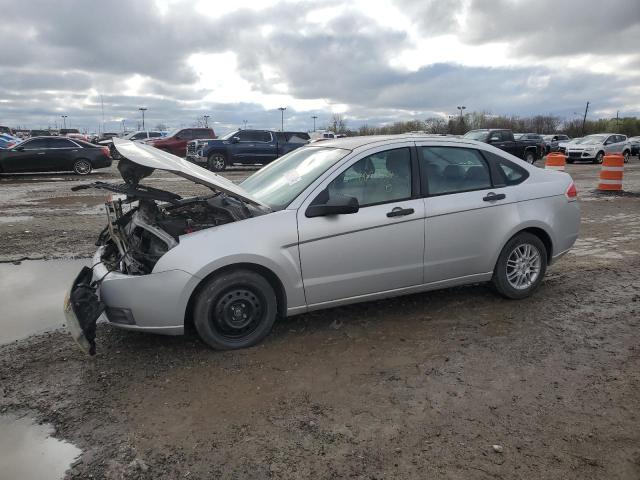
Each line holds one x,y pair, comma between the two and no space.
494,196
40,153
400,212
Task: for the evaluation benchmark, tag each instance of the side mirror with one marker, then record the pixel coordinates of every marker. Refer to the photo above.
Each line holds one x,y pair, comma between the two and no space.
336,205
235,139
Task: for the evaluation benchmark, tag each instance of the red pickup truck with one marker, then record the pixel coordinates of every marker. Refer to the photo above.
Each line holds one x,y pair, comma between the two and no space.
176,141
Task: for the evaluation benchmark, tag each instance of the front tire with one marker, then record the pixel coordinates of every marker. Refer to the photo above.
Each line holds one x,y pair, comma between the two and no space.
529,157
599,158
82,167
235,309
521,266
626,156
216,162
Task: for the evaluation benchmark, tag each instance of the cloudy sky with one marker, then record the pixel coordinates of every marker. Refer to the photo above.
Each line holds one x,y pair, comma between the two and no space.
372,61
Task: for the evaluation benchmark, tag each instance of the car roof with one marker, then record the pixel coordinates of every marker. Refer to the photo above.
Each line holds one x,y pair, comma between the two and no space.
353,143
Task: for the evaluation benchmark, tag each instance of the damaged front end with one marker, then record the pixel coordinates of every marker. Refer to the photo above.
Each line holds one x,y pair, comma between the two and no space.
144,223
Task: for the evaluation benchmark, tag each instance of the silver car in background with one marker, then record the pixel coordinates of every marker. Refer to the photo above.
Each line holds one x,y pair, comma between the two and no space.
343,221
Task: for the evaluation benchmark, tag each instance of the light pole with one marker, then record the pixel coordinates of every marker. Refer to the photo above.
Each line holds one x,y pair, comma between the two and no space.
143,109
314,122
206,121
123,127
461,108
64,120
245,124
282,109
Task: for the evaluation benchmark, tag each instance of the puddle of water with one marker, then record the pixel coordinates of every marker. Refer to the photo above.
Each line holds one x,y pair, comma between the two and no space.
28,452
31,295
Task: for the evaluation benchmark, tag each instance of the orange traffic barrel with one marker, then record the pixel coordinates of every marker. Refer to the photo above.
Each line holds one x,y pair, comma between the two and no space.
555,161
611,172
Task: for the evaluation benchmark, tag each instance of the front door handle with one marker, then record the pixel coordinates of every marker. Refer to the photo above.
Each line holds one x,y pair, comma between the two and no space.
400,212
494,196
40,153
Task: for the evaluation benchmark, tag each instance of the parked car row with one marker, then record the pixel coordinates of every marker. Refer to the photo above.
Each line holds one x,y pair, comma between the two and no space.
246,147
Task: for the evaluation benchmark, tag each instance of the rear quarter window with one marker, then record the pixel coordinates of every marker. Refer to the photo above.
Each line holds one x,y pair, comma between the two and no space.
506,172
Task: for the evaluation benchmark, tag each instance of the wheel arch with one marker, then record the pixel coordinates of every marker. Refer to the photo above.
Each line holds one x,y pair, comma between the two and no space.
268,274
539,232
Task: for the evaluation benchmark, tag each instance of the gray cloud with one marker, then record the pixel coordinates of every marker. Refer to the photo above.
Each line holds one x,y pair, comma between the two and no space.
63,54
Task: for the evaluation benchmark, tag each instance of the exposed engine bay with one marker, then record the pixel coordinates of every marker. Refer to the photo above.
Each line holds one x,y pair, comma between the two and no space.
148,222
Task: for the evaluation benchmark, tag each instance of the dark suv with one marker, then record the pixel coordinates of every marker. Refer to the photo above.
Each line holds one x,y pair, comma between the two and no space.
176,141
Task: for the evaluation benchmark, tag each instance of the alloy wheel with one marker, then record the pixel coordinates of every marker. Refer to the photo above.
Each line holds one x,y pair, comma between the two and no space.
523,266
217,163
82,167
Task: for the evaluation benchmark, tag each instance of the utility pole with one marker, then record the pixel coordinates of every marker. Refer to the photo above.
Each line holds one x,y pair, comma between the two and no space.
584,120
618,121
282,109
64,119
206,121
143,109
314,122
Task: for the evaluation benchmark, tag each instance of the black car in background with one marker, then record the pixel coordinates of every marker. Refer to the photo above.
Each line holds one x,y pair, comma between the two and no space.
54,154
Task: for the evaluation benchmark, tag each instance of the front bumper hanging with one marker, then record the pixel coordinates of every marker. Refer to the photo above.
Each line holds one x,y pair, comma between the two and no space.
82,308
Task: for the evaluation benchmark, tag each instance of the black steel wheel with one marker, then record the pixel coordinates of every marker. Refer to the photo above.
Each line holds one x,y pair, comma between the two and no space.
235,309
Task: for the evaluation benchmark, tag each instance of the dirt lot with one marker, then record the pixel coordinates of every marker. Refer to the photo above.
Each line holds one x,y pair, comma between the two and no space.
417,387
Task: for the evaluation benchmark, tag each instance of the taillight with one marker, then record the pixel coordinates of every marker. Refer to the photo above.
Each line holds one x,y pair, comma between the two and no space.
106,151
572,192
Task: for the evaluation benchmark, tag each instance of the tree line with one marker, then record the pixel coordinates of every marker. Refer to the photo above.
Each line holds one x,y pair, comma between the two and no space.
543,124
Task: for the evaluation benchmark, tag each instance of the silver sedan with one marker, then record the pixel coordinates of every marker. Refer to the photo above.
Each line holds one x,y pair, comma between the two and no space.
345,221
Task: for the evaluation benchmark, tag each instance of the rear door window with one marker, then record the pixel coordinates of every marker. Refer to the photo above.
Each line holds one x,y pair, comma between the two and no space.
36,144
61,143
453,170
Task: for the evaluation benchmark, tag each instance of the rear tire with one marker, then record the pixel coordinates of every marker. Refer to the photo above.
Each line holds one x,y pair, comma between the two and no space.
82,167
216,162
235,309
521,266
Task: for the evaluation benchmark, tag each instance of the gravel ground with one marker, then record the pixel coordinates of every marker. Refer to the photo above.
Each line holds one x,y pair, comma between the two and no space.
458,383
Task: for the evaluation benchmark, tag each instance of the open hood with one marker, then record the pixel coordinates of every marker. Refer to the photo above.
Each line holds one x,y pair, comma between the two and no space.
155,159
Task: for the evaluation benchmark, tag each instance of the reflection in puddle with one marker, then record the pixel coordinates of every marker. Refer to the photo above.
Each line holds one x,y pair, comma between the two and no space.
31,295
27,451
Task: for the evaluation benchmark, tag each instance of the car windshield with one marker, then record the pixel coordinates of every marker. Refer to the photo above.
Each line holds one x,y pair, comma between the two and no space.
593,139
280,182
228,135
480,135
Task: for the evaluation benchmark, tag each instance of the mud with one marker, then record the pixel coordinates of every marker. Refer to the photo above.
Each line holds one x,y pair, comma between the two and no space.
458,383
